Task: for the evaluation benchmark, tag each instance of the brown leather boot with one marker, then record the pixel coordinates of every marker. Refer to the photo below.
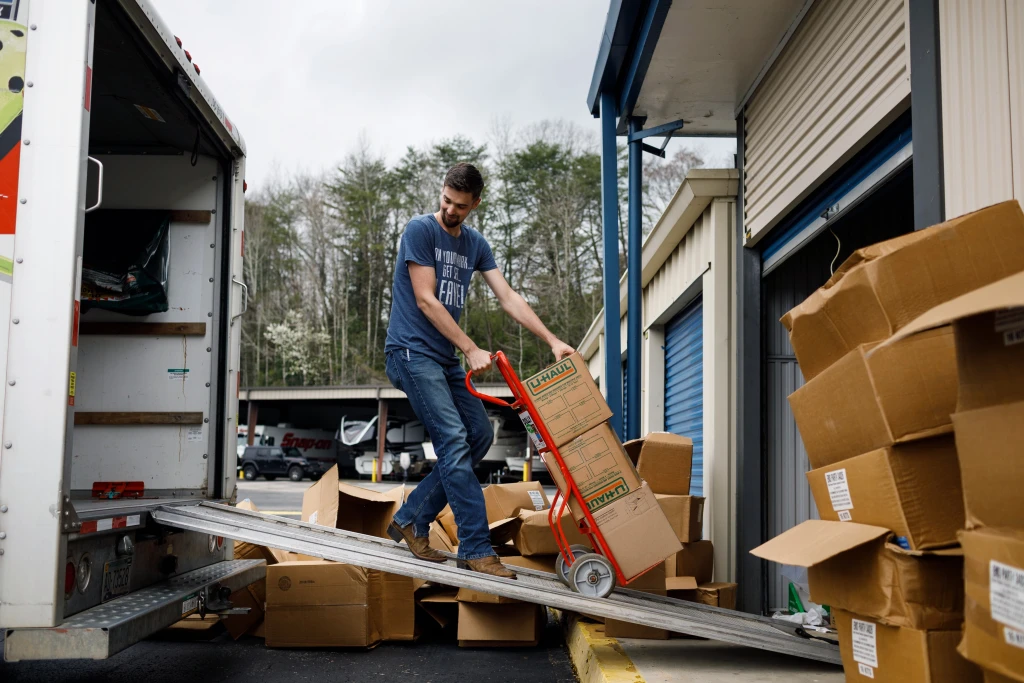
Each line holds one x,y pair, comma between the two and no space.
420,547
488,565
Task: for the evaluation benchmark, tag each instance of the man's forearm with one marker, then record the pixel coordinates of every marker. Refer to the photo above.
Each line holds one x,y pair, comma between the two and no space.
523,314
441,319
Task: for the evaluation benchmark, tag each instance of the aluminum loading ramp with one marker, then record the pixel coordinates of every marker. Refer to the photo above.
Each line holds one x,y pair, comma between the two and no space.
532,586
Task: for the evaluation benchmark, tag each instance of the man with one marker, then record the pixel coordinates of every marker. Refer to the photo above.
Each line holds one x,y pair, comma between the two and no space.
436,260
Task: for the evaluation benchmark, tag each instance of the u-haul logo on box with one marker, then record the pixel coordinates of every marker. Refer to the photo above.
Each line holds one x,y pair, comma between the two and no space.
613,491
552,376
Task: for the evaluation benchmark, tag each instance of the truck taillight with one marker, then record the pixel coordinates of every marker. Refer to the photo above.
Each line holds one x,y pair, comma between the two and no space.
177,40
188,55
69,579
196,67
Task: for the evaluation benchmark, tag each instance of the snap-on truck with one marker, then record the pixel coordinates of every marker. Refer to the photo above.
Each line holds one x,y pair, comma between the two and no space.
121,243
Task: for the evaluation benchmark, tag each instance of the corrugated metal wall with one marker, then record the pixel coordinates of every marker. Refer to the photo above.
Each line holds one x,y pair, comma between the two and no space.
687,263
684,384
981,45
843,75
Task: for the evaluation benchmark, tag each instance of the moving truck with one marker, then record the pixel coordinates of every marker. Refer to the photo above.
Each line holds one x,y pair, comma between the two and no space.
121,244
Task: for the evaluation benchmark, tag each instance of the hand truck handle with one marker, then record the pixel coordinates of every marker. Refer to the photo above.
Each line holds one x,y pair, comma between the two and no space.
485,397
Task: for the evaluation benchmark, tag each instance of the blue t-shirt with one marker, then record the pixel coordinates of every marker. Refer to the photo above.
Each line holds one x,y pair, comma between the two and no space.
454,259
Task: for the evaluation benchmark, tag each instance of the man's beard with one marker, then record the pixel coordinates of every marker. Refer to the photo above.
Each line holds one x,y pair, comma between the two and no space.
449,221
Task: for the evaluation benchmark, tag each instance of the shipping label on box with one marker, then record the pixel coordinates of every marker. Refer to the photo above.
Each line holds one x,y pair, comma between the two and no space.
567,399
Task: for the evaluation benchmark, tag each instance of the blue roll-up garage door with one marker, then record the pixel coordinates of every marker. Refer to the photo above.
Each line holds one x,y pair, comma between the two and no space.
684,384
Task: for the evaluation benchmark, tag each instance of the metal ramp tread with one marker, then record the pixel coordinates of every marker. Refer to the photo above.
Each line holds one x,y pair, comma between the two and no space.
538,587
106,629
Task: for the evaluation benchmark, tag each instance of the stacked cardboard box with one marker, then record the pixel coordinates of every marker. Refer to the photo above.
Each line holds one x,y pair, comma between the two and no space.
988,326
875,419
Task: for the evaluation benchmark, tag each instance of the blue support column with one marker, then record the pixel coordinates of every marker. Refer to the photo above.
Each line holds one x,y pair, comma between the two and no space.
634,312
610,229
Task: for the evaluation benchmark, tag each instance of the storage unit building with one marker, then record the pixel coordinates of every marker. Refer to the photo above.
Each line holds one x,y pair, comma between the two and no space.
856,121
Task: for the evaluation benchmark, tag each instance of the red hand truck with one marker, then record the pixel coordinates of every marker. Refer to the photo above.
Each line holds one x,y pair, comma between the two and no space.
593,573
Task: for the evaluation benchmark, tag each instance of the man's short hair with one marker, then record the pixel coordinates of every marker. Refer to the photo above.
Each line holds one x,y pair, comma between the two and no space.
465,178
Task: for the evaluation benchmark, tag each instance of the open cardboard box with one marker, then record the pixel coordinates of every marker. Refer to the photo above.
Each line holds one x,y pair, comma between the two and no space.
663,460
856,567
863,402
882,288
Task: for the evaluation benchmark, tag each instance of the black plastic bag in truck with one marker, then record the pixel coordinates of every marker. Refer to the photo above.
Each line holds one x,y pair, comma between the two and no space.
125,262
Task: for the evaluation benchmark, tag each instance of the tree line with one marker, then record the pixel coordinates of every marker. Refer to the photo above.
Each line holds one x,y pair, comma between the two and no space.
320,249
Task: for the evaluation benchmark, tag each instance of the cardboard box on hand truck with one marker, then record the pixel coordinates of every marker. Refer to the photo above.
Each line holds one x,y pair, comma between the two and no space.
600,467
567,400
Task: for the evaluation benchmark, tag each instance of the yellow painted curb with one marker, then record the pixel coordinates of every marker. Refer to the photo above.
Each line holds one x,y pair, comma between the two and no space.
596,657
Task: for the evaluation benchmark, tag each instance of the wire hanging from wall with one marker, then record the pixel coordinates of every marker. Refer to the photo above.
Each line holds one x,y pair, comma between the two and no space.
839,246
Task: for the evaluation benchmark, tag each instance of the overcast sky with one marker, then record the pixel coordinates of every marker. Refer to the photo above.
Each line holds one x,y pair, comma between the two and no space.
304,84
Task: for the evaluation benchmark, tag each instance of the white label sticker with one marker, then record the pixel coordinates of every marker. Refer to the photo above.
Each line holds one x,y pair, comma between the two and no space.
865,647
1006,594
1015,638
134,520
1010,319
839,490
1013,337
531,429
189,605
845,516
865,670
537,498
313,517
177,374
195,433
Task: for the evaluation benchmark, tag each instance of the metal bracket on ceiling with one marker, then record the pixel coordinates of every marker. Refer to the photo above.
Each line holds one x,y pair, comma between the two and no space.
665,129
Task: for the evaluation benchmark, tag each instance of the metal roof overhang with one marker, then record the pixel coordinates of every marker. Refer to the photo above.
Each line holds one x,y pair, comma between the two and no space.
695,60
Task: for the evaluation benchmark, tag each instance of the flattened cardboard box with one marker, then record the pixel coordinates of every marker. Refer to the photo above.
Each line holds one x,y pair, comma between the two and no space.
253,596
882,288
685,514
600,467
506,500
664,461
889,654
993,677
695,560
902,392
988,327
637,532
851,566
567,399
989,446
994,618
509,625
338,505
912,489
323,604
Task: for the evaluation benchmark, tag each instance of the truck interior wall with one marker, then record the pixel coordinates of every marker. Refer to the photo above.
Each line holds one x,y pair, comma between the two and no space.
166,374
886,213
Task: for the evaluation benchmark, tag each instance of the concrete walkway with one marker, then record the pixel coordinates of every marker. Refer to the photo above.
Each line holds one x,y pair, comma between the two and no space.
599,659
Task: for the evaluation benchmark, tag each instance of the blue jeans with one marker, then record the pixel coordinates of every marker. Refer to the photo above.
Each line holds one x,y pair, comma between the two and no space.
461,433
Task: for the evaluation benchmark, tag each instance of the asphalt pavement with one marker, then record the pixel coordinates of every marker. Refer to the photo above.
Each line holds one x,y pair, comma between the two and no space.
437,659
